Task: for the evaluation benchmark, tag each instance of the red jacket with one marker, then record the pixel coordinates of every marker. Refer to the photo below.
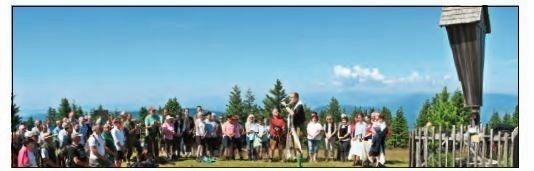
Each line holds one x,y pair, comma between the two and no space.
277,122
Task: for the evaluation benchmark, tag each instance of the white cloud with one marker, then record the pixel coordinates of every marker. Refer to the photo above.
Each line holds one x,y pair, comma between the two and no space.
358,75
446,77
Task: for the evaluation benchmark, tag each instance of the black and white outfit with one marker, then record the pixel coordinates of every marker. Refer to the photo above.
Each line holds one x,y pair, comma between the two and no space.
378,145
299,116
344,142
329,129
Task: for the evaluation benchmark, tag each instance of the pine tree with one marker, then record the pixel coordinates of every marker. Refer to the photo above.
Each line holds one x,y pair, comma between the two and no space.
357,110
400,130
30,123
495,120
462,112
79,111
99,111
64,108
249,107
273,99
507,120
52,114
515,116
173,106
422,118
15,117
160,110
386,113
143,112
442,111
333,109
235,104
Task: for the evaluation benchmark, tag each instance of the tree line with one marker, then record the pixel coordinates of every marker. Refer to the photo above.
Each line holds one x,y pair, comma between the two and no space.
442,109
446,110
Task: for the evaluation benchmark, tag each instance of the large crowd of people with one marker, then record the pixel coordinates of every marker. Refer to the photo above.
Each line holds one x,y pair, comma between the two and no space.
205,137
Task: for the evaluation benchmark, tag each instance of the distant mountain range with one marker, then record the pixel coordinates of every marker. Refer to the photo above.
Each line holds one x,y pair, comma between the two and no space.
411,103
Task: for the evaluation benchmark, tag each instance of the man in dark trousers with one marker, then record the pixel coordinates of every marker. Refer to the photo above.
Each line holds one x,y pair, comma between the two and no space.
296,119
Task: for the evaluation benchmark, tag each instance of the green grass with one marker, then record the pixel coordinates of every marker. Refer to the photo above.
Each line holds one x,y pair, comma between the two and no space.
395,158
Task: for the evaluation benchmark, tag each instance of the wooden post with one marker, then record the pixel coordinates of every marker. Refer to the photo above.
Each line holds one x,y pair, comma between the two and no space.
461,142
410,160
506,149
426,146
468,148
491,148
499,148
446,150
483,155
454,146
439,147
514,152
412,148
418,149
475,153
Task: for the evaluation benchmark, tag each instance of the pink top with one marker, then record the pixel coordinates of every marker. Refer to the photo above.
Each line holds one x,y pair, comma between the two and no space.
168,131
23,159
229,128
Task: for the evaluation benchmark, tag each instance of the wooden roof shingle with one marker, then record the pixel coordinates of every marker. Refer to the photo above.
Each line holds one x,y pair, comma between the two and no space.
465,15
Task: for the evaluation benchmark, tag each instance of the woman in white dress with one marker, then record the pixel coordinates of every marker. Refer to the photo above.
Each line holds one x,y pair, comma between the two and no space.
357,134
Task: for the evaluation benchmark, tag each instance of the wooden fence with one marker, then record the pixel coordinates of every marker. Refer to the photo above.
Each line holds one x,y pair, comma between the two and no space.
463,147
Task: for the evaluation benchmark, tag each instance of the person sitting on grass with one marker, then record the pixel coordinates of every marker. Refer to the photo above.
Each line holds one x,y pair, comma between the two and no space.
314,130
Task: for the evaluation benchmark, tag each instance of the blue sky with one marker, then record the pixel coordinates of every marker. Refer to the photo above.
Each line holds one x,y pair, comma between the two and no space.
128,57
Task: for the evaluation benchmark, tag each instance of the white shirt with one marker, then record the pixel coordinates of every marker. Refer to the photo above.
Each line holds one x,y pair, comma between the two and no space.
61,137
381,125
118,137
251,127
95,140
313,130
200,128
263,132
44,153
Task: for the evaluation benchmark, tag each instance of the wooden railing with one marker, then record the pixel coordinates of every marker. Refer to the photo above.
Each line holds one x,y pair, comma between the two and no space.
463,147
